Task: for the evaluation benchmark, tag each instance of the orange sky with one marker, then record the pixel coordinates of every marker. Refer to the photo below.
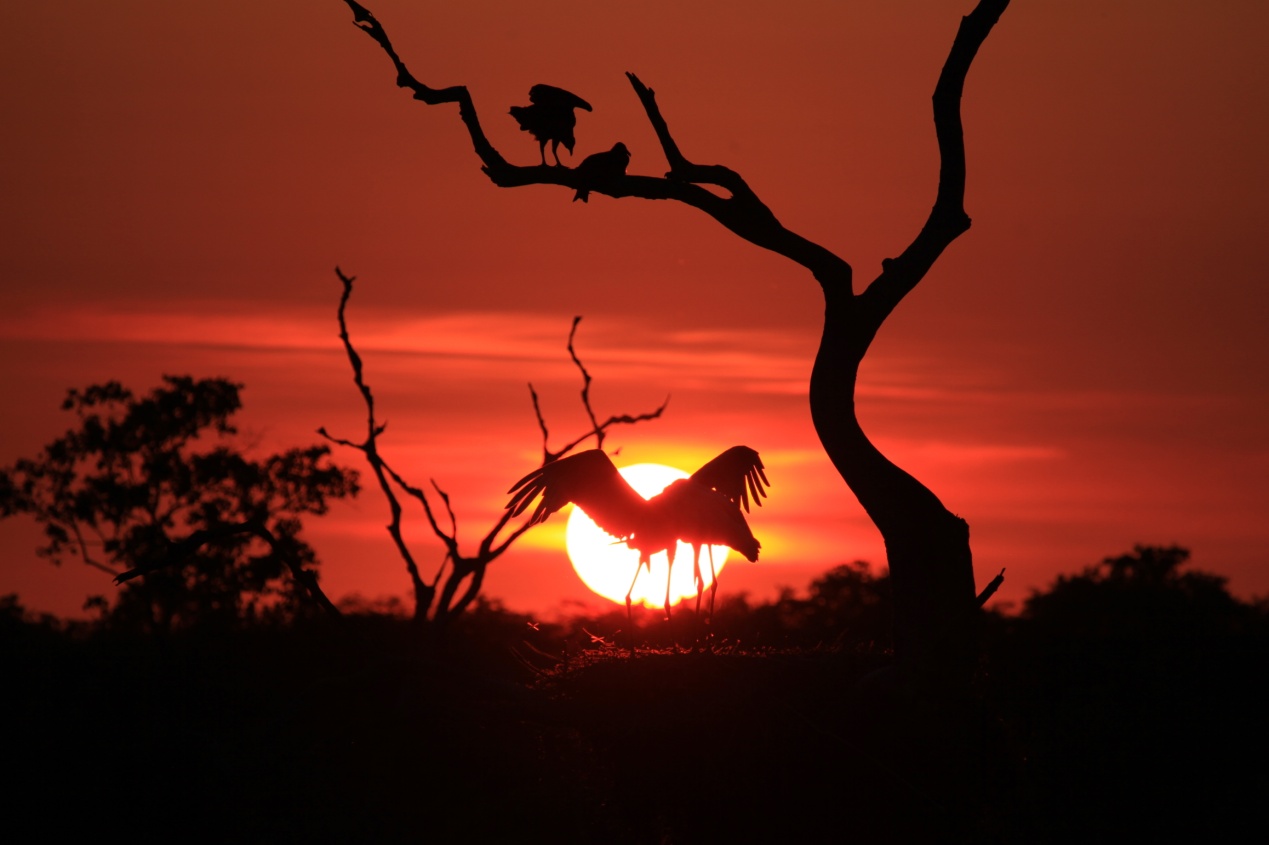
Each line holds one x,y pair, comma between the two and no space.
1085,369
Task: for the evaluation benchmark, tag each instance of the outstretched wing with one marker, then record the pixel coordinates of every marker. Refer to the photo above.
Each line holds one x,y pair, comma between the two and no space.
737,474
589,480
556,98
702,516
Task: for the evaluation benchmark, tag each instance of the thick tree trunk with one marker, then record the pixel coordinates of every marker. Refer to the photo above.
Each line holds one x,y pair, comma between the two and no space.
927,547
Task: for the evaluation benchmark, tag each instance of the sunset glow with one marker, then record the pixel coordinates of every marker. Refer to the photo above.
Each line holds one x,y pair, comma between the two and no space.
1083,370
607,565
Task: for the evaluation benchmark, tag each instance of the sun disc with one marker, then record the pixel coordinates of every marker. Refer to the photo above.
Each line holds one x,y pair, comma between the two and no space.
606,565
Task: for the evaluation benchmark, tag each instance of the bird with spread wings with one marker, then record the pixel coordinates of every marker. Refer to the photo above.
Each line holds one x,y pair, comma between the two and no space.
550,117
703,510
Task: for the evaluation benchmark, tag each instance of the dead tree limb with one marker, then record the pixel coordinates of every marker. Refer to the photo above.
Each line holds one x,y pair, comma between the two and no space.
369,447
448,595
598,430
927,547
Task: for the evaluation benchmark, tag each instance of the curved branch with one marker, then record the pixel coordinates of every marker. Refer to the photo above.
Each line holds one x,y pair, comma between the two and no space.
490,547
370,447
947,219
365,20
598,430
684,170
586,380
742,213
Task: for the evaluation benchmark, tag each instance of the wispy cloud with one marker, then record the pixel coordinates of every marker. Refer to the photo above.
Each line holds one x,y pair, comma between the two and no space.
750,361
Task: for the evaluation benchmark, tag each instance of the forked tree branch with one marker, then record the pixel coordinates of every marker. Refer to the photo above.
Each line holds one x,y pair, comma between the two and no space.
463,568
742,212
369,447
947,219
684,170
598,430
927,546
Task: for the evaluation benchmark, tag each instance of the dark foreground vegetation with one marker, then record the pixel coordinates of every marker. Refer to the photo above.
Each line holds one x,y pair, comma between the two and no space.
1123,704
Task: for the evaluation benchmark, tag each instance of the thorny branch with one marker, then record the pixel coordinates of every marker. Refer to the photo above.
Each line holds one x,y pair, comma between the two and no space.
462,567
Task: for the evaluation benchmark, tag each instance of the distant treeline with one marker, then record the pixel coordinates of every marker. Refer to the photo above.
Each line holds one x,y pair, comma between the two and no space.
1124,703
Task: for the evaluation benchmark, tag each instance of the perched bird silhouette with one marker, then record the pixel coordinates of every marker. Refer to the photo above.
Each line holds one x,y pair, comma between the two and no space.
601,166
701,510
550,118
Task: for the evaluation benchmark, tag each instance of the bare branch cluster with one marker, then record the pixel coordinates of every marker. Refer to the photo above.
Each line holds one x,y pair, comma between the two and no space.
450,592
927,546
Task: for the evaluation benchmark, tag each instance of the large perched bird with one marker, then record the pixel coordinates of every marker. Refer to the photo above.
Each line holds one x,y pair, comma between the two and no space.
701,510
600,166
550,118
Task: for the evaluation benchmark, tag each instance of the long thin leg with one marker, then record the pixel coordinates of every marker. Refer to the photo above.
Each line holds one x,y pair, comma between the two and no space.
713,583
669,569
696,573
629,593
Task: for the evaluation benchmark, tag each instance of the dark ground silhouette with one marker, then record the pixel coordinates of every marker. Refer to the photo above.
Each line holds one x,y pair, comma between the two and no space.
781,729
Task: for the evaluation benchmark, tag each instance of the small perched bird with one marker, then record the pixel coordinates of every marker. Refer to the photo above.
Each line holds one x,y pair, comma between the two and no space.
550,118
701,510
599,166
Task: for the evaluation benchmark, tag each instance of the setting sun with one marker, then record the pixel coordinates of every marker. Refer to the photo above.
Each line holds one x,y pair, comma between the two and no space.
606,565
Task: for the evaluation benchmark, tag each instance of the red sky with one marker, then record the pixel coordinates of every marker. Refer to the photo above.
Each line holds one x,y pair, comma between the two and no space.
1085,369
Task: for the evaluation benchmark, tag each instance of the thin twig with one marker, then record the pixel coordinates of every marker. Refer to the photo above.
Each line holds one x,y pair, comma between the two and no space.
469,568
369,448
586,380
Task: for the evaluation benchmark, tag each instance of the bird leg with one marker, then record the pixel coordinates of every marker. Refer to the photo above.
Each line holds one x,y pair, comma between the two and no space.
696,574
629,611
669,569
713,583
555,151
542,152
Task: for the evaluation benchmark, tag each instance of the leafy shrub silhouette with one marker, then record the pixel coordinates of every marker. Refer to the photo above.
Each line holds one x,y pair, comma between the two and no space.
130,488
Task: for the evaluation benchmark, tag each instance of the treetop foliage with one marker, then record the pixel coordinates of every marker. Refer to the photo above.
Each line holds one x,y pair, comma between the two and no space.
138,475
1145,594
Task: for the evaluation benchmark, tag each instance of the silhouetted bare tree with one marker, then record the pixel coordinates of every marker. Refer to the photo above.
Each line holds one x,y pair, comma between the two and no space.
461,574
927,546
